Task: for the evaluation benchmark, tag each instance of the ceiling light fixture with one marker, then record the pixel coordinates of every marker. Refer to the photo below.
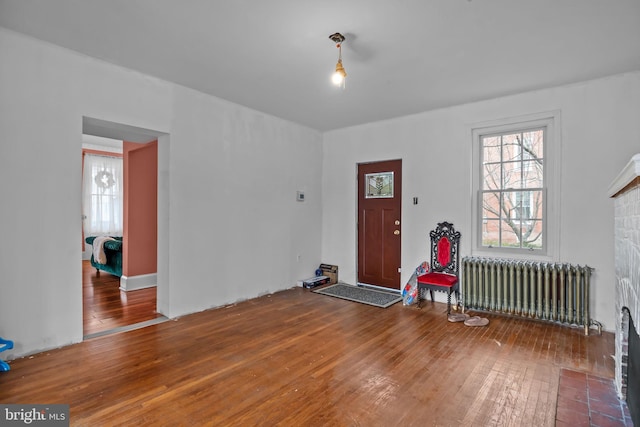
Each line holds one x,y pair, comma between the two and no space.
338,78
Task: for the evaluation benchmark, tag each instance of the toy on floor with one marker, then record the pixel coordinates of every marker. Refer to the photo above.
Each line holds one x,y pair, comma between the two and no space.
5,345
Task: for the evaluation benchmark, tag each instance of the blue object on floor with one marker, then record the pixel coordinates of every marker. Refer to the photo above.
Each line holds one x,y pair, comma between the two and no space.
5,345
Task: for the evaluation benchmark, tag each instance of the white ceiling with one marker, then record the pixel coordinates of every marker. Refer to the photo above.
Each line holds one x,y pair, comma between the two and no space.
402,56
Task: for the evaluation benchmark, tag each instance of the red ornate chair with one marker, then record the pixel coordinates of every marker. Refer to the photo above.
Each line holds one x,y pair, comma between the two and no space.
443,276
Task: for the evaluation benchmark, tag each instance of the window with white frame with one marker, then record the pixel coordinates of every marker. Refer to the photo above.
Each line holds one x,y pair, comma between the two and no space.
513,176
102,195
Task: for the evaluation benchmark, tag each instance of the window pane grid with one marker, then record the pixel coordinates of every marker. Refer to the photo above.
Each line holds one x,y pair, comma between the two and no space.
512,189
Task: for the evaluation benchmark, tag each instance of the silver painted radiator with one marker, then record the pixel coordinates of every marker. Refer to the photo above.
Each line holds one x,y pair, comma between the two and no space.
547,291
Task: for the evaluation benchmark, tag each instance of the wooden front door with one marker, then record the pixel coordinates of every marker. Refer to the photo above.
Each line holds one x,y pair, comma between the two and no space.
379,232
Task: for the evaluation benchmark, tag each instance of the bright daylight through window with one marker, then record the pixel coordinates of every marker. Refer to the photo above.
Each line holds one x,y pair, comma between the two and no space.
102,195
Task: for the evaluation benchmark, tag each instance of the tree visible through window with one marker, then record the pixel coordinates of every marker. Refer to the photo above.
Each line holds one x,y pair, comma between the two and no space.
512,189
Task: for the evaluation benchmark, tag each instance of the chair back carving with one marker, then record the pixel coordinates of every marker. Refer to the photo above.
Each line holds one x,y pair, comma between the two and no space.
444,248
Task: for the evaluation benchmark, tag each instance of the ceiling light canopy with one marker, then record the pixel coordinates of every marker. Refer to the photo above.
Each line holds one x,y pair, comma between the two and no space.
340,75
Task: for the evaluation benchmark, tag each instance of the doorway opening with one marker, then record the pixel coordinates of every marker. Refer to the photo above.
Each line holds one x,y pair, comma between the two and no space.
111,304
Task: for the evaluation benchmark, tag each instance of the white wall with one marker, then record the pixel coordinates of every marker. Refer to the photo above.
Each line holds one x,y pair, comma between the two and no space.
228,175
600,131
237,229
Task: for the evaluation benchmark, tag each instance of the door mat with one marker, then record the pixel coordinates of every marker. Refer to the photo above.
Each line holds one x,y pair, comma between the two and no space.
359,294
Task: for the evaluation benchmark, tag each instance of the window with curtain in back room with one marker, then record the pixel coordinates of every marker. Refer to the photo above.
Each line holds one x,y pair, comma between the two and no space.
513,180
102,195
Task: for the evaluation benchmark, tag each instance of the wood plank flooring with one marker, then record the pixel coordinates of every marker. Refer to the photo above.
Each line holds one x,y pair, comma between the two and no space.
106,307
295,358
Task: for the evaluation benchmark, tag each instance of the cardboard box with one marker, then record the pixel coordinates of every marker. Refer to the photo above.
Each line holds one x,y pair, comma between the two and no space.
315,281
331,271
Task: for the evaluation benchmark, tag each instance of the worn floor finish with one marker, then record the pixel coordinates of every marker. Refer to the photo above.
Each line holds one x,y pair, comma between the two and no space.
299,358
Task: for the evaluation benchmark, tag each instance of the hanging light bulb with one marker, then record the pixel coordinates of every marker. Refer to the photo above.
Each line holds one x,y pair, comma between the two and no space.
340,75
338,78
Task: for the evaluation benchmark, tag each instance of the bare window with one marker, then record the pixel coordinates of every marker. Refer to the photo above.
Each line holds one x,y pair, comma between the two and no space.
512,189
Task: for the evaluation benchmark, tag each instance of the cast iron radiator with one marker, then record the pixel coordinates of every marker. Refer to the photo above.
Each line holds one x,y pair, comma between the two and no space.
553,292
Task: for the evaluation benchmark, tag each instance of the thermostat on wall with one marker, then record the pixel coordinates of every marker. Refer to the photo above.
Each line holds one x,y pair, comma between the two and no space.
300,196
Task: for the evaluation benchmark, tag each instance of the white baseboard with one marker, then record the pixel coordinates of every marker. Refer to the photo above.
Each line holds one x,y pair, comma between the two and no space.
142,281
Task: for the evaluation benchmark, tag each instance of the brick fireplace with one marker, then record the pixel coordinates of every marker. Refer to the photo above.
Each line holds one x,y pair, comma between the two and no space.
626,191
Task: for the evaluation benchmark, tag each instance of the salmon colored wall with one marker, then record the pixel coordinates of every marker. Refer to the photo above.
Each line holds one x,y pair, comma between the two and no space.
139,246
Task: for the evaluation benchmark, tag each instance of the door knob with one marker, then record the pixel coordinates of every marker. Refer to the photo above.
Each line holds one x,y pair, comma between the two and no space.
396,232
397,222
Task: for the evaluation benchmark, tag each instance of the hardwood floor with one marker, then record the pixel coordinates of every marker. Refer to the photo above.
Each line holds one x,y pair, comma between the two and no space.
295,358
106,307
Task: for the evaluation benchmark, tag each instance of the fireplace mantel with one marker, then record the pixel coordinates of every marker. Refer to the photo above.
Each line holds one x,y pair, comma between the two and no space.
627,178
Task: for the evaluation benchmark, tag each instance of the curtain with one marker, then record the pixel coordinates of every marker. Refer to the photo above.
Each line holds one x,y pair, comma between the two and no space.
102,201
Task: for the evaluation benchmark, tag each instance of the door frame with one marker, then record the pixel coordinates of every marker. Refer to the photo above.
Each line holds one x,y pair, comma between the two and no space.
121,131
357,228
